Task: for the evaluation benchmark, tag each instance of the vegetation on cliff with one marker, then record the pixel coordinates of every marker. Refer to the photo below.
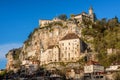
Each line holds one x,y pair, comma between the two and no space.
63,17
116,76
106,35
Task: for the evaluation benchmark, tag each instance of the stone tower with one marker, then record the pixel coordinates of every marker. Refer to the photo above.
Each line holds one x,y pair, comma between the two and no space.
90,11
91,14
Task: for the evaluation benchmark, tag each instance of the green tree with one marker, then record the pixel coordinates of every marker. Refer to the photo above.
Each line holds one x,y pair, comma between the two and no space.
2,74
63,17
72,15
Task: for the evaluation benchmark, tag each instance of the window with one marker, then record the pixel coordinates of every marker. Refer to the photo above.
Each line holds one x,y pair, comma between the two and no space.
69,48
66,48
75,52
35,43
68,43
65,52
69,55
75,40
97,76
101,76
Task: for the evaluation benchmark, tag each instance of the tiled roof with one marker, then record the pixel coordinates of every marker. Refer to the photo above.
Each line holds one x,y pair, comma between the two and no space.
92,63
51,46
70,36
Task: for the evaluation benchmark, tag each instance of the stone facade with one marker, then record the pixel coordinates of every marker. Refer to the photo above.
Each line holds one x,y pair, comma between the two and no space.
85,16
44,23
70,47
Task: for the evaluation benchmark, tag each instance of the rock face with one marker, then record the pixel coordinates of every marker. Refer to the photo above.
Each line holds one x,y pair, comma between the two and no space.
56,40
13,62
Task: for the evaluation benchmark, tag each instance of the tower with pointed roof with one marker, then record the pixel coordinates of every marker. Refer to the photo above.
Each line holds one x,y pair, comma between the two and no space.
91,14
91,11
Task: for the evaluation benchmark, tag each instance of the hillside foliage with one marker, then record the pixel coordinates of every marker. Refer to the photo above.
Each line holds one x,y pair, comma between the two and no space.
106,35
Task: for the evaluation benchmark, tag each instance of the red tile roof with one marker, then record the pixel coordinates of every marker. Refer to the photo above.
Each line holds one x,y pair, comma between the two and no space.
70,36
51,46
92,63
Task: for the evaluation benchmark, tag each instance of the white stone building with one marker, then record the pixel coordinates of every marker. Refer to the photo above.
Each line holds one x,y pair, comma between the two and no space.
43,23
50,55
94,71
56,54
85,16
70,47
43,58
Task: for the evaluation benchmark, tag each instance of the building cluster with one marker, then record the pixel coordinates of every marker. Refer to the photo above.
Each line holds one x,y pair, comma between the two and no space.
69,49
54,41
59,41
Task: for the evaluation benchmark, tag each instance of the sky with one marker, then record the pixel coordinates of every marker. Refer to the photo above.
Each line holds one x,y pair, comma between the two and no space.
19,17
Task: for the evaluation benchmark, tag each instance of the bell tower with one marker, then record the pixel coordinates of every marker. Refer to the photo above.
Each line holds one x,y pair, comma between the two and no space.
91,11
91,14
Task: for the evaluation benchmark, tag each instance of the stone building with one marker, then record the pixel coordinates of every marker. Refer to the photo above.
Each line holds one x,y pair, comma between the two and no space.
94,71
85,16
50,55
71,47
55,33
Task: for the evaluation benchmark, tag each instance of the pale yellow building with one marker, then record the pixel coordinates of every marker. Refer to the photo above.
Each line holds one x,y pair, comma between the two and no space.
70,48
50,55
56,54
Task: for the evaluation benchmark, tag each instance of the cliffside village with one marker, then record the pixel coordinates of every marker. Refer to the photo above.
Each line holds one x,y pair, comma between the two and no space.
58,45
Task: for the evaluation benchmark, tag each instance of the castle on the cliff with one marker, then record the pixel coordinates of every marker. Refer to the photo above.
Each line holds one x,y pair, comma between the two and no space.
54,41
